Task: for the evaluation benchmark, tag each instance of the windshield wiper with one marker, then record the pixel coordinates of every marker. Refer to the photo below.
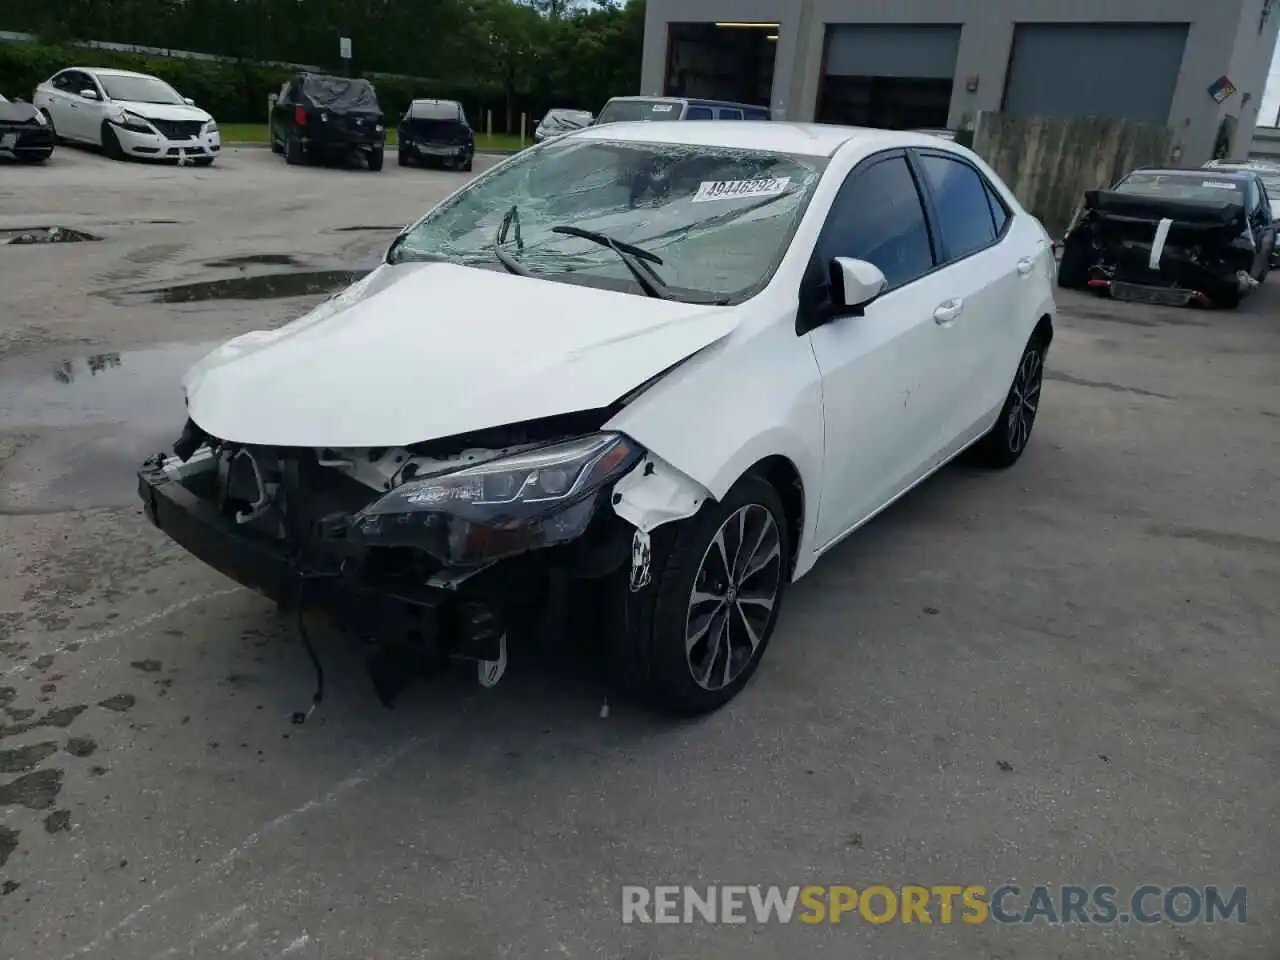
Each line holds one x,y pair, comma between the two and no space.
636,260
512,265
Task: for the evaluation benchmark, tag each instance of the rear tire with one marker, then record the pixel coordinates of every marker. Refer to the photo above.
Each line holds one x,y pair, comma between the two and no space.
111,143
376,158
1004,444
276,145
651,655
293,153
1073,268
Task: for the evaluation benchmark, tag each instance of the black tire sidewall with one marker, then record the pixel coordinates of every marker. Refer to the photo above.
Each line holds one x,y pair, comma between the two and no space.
1073,268
672,685
994,448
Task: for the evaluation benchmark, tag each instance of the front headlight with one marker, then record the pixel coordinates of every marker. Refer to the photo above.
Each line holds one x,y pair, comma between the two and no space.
40,119
501,507
211,127
132,121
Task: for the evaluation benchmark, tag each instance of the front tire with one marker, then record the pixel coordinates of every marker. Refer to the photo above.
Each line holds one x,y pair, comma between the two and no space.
376,158
111,143
1004,444
696,633
402,158
34,158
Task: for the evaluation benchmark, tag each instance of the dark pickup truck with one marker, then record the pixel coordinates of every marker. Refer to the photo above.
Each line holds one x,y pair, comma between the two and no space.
318,116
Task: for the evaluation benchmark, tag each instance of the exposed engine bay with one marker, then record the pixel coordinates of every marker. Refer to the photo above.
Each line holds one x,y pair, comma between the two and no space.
1161,249
430,553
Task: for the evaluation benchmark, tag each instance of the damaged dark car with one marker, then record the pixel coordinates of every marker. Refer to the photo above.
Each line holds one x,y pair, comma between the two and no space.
25,133
436,133
320,117
1173,237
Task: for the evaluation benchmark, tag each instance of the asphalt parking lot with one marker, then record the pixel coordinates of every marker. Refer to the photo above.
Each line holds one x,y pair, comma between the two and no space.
1066,673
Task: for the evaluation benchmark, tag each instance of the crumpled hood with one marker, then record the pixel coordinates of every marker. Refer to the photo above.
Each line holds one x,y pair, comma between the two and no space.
420,351
163,111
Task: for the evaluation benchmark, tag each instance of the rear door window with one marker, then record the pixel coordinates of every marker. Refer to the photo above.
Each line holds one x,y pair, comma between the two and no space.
699,113
962,203
729,113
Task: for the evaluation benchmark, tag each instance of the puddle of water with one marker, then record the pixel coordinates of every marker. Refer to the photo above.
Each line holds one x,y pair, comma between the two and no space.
95,418
267,286
251,259
47,235
118,387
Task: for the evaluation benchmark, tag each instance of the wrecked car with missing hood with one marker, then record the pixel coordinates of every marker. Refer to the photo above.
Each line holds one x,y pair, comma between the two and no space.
1172,237
660,365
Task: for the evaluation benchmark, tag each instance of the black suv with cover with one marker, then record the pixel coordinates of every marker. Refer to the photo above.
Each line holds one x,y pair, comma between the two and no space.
436,132
317,116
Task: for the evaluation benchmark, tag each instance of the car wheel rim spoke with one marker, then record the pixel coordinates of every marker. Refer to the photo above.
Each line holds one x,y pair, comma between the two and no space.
1025,399
733,597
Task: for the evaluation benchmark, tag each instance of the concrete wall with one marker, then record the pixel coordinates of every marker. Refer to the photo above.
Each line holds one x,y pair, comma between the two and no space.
1266,145
1049,162
1223,38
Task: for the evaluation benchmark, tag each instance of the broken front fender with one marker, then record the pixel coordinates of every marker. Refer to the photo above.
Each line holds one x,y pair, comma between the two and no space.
654,493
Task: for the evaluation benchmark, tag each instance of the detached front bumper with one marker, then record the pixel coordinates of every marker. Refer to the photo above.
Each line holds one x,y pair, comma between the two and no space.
436,620
156,146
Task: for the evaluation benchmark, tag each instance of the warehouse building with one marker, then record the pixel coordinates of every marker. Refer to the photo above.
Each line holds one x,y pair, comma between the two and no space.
1197,66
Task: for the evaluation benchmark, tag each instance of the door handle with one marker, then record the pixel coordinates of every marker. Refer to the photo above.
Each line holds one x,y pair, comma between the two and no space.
1026,265
947,311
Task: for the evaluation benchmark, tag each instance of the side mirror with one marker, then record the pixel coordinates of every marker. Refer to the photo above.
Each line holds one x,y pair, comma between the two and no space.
90,94
188,101
854,284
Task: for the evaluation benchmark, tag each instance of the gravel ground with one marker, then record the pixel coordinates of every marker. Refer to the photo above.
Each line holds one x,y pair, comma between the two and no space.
1062,674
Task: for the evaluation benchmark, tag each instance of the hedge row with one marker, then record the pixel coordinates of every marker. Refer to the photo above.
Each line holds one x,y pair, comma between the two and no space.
232,92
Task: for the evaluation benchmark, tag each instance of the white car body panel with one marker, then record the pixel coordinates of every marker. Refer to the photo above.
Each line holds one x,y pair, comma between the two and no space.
862,407
80,119
422,351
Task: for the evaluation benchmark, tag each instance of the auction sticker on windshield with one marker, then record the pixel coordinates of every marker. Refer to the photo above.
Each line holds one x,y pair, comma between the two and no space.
1218,184
741,189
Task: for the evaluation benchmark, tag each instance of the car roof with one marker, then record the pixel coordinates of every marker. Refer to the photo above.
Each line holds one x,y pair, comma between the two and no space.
112,72
1217,173
698,100
805,139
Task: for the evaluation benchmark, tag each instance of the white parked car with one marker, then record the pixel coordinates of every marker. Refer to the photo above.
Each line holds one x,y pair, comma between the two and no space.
678,362
127,115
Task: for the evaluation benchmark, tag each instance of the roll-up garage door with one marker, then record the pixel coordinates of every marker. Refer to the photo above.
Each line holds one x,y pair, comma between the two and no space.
892,50
1121,70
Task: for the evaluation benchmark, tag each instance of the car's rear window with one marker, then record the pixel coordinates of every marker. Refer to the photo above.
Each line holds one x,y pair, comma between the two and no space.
352,94
1197,185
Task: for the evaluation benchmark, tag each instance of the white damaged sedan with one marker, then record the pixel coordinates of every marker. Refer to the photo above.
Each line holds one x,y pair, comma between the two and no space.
664,365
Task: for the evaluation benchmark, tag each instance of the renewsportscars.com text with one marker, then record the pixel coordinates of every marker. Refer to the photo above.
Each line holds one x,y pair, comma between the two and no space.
946,904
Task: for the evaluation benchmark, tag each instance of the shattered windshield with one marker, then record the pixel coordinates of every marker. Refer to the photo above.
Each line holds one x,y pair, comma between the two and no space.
566,119
1182,186
139,89
719,219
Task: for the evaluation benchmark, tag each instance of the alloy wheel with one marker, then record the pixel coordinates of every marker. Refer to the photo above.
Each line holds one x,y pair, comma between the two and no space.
1025,396
733,597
